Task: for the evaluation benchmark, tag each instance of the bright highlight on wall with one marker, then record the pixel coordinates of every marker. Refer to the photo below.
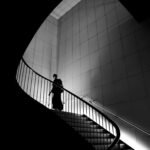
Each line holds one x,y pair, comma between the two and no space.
132,141
63,7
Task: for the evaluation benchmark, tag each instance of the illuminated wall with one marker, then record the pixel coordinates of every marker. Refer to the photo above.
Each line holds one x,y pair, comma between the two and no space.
41,53
104,53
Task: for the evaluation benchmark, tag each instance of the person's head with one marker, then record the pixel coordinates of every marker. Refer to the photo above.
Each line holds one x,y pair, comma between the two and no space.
55,76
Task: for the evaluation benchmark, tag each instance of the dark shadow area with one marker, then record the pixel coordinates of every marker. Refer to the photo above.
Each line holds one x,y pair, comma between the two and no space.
21,19
139,9
35,126
26,123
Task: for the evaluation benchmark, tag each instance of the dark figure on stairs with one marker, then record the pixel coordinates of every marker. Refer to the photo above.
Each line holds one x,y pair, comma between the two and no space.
57,89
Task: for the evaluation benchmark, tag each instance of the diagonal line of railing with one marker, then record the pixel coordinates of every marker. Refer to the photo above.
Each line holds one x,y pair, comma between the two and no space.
117,136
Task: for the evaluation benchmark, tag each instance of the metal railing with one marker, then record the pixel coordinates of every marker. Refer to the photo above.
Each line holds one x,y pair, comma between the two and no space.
38,87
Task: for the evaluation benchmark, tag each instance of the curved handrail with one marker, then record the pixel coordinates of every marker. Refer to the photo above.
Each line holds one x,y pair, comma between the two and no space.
113,123
99,106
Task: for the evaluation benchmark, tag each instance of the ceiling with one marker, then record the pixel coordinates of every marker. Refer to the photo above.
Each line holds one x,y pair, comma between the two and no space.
63,7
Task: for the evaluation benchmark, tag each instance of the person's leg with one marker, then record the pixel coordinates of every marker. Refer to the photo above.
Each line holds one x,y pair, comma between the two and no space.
60,105
54,99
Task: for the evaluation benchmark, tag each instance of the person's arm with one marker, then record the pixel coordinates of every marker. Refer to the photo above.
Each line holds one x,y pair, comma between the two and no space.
50,93
51,90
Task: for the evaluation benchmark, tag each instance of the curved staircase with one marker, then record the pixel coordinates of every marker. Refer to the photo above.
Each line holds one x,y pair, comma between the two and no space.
94,128
97,136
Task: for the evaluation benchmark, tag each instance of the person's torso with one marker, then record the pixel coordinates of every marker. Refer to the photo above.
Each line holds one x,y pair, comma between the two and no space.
57,84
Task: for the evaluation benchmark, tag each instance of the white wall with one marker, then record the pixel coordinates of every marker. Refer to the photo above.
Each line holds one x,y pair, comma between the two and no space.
104,54
41,54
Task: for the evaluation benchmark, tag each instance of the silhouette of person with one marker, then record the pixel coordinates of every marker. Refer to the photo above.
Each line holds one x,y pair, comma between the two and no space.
56,90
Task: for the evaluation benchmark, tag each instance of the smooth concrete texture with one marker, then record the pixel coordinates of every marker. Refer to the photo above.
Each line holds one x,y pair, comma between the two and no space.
133,136
41,54
103,53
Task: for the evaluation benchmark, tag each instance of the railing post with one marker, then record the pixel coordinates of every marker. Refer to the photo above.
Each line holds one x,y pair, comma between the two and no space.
37,88
64,106
24,77
48,90
29,82
32,85
40,90
68,101
46,93
21,75
26,83
19,72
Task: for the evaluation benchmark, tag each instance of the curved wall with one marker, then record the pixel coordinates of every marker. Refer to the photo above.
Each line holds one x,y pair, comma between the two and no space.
41,54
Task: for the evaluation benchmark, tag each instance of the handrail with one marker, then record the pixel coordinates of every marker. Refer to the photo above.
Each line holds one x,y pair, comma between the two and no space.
20,74
108,111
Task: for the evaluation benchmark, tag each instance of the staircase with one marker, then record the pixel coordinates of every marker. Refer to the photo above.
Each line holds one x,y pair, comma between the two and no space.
94,134
94,128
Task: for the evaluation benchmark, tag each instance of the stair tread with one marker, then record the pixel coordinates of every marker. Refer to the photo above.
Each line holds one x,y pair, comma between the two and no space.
93,133
99,141
94,130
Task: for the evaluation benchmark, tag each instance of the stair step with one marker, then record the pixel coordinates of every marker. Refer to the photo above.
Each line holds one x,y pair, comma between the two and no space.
94,135
79,121
90,130
84,125
127,147
72,118
66,113
105,146
99,141
69,117
119,146
100,147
